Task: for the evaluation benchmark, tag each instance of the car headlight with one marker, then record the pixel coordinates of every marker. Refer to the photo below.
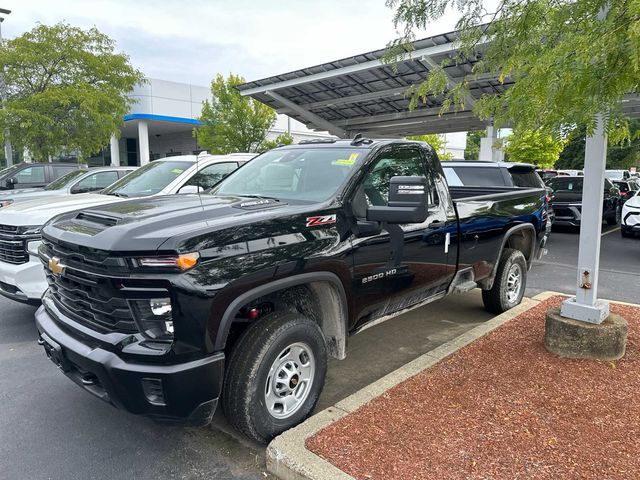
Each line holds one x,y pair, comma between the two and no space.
184,262
5,203
33,246
154,318
32,230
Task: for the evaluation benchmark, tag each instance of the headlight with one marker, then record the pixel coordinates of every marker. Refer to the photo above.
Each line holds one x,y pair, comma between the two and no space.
183,261
5,203
31,230
32,247
154,318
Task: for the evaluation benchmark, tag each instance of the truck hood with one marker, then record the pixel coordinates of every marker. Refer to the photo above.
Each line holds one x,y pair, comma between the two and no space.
154,223
41,210
17,191
34,194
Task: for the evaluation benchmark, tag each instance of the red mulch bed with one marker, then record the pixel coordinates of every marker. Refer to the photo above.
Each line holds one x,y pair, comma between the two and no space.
502,407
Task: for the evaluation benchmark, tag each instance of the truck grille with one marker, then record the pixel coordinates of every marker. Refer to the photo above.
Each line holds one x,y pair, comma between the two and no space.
13,245
87,298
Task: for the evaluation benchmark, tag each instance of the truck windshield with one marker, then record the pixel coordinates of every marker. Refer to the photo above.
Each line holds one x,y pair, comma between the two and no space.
295,174
148,180
8,170
64,180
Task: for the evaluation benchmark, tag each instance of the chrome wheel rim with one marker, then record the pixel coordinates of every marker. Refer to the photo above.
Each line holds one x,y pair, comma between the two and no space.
289,380
514,283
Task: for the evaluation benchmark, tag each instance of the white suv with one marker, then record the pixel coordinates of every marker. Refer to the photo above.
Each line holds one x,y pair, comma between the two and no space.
630,221
22,275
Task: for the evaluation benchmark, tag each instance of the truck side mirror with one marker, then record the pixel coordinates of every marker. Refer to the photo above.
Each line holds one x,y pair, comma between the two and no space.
190,189
11,182
408,202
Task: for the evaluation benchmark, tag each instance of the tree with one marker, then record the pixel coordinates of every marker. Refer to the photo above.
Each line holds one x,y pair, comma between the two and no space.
619,156
533,146
282,139
66,89
233,123
438,143
568,64
472,150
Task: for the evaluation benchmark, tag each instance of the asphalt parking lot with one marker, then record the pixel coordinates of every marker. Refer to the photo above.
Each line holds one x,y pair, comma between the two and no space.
49,428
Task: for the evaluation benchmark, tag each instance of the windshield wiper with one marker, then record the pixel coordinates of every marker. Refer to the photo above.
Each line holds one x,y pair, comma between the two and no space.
260,197
118,194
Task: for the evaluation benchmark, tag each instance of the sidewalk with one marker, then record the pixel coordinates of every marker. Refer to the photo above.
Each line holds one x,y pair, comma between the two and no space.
501,407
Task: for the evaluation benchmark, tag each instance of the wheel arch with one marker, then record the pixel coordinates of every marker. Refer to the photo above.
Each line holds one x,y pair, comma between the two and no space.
328,296
519,237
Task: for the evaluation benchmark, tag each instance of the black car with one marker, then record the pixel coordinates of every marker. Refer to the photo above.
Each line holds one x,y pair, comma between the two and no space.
167,306
34,175
628,188
566,201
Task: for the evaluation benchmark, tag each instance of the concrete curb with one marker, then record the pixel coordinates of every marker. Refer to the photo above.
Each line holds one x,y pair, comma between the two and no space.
287,456
542,296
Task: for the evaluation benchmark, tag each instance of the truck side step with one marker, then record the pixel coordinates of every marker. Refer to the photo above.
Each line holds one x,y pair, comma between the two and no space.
466,286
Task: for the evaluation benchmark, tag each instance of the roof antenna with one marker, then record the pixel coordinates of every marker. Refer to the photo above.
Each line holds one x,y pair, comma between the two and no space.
360,139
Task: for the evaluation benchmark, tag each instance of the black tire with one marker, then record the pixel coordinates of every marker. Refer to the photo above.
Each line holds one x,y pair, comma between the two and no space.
244,391
616,218
500,298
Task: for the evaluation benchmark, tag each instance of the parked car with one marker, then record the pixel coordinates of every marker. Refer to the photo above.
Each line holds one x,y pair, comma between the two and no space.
34,175
566,201
74,182
630,222
546,174
628,188
167,306
22,277
571,173
479,174
617,174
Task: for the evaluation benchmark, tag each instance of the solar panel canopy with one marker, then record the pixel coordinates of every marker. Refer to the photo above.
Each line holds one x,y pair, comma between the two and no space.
363,94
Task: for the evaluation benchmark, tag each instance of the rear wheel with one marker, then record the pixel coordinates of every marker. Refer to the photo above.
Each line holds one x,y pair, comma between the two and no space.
509,284
275,375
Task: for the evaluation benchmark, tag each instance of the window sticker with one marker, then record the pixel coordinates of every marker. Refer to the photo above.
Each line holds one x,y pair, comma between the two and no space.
177,171
347,161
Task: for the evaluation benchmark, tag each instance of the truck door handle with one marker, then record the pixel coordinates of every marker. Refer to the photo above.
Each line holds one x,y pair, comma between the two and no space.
435,225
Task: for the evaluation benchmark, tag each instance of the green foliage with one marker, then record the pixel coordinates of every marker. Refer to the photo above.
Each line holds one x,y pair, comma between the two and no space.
282,139
533,146
66,89
567,64
437,142
472,150
233,123
619,156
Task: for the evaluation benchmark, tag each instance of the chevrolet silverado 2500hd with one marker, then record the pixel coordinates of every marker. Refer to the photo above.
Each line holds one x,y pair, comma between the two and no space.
166,306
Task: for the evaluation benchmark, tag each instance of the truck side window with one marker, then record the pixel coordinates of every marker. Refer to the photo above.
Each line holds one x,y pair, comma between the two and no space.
33,174
405,162
97,181
212,174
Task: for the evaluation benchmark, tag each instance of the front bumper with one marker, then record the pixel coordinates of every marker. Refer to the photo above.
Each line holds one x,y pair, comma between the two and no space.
184,391
25,282
630,219
567,215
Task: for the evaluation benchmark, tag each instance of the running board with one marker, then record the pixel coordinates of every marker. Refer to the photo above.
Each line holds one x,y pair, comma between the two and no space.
463,281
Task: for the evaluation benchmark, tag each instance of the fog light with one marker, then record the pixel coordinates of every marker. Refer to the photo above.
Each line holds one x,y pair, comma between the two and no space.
153,391
160,306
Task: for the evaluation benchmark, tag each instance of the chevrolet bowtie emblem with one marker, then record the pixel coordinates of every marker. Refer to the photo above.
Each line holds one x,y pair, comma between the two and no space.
55,266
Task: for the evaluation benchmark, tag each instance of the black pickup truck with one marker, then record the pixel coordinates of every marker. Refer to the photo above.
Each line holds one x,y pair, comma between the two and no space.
166,306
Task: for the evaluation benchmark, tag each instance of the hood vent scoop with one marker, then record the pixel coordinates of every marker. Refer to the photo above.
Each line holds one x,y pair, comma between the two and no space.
97,219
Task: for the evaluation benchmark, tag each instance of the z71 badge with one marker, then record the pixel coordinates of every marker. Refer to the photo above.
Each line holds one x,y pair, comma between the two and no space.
321,220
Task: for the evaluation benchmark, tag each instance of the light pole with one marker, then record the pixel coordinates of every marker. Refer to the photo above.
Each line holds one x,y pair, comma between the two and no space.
8,151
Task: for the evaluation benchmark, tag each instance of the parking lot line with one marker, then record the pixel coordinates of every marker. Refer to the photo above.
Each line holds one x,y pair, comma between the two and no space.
610,231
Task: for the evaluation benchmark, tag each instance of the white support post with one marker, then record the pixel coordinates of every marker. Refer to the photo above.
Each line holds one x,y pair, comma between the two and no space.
26,155
486,144
585,306
115,151
143,140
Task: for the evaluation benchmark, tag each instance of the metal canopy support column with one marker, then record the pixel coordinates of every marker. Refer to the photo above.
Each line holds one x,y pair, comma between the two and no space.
585,306
487,152
115,151
469,101
143,141
319,122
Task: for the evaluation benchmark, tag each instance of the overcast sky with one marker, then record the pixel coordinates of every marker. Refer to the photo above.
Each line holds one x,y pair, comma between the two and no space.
191,41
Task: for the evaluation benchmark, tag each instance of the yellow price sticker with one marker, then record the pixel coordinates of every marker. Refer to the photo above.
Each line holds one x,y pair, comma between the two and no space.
177,171
347,161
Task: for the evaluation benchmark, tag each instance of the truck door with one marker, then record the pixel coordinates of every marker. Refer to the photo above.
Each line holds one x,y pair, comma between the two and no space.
401,265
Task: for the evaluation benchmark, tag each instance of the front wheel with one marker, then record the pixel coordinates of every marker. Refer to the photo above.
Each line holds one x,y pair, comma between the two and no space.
275,375
509,284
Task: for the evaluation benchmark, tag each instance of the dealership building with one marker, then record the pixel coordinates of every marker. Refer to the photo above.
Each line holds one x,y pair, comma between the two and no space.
161,124
162,120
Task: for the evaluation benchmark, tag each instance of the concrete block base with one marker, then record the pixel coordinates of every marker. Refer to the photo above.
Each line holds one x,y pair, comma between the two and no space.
576,339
